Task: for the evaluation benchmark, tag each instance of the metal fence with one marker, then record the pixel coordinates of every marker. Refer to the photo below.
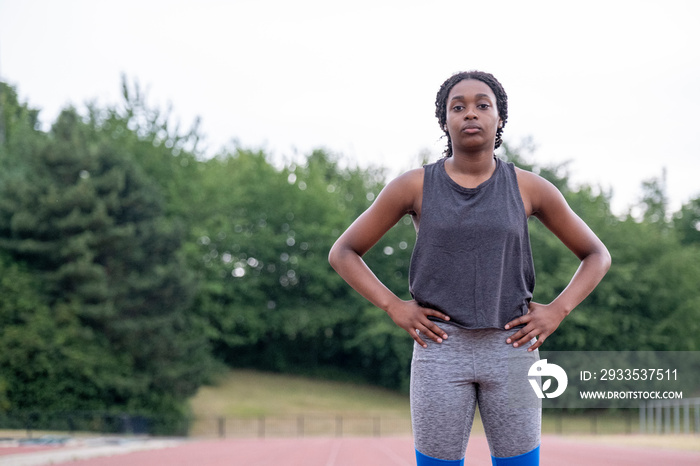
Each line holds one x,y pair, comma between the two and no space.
559,422
658,418
670,417
589,422
302,425
93,421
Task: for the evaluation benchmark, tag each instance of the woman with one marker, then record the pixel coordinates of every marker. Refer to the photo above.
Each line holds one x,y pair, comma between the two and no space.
472,278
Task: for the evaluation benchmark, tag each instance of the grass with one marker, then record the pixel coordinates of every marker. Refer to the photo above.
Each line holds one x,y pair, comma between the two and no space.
250,395
250,403
247,394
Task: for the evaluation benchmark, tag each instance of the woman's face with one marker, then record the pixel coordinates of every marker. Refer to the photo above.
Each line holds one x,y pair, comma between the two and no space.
472,115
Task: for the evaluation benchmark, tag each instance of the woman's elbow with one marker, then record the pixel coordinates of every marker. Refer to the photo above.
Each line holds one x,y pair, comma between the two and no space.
335,255
605,258
598,257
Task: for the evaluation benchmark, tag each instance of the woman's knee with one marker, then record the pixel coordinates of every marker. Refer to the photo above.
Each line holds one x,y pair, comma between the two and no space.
531,458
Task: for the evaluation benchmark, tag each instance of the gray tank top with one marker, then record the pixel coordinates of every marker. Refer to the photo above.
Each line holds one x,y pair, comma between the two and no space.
472,259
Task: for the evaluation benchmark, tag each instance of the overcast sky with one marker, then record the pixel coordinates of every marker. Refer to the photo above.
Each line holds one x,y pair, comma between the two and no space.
611,86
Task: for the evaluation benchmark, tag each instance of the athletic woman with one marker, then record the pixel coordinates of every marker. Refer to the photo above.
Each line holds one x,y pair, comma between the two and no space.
471,278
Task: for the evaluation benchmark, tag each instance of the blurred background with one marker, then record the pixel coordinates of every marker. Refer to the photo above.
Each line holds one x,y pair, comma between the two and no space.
173,174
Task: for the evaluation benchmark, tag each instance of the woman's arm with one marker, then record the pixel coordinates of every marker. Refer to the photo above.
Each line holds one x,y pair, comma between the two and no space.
400,197
543,200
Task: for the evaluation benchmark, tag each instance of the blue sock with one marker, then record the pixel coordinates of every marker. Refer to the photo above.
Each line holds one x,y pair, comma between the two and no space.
531,458
424,460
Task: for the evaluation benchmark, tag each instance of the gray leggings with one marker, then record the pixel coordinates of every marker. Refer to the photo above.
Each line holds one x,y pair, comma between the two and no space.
473,367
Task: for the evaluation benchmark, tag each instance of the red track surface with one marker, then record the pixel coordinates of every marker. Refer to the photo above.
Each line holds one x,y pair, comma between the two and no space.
385,451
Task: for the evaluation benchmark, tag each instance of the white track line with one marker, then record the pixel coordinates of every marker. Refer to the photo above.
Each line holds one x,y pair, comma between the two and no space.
334,453
60,455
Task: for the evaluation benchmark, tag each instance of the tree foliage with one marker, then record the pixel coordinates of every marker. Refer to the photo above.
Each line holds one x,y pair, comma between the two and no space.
86,221
130,265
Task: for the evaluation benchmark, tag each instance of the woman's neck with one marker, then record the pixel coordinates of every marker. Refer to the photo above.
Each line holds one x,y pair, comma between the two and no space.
473,164
470,170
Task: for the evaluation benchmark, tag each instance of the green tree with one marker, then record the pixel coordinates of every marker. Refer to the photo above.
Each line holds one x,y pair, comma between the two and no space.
655,200
49,361
83,215
686,222
262,238
167,154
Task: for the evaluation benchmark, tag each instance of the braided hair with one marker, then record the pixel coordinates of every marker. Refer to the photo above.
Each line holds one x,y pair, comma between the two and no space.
489,80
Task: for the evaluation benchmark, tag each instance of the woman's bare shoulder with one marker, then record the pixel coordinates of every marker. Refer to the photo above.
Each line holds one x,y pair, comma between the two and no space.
405,190
528,178
409,182
535,190
412,177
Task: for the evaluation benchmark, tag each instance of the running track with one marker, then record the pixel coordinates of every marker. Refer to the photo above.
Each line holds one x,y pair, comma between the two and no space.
386,451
